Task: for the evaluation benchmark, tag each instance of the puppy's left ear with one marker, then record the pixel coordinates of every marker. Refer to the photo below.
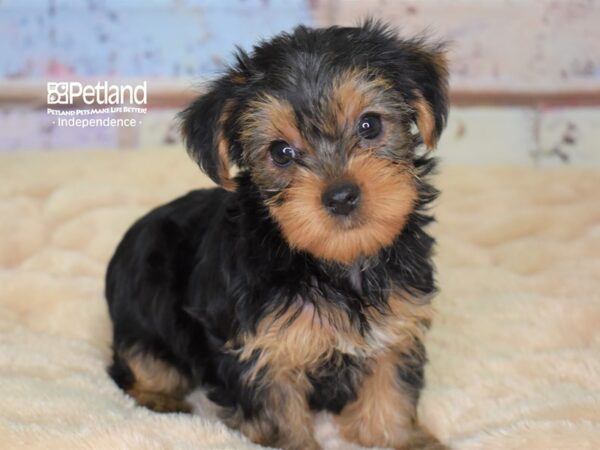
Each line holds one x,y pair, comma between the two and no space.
209,127
429,96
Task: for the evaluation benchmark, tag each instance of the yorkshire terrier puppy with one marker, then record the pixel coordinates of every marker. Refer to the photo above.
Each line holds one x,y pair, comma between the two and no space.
304,282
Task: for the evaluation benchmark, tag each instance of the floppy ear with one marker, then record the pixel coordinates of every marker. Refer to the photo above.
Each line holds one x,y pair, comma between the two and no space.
203,125
430,92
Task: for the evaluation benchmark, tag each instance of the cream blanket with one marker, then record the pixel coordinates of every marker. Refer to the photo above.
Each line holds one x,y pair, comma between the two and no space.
515,347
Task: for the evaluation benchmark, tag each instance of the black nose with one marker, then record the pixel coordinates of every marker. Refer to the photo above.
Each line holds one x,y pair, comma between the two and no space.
341,198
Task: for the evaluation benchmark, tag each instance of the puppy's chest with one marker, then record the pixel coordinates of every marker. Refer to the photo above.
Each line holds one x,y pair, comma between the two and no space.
306,337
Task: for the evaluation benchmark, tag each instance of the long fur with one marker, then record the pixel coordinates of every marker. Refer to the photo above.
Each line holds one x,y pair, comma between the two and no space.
215,287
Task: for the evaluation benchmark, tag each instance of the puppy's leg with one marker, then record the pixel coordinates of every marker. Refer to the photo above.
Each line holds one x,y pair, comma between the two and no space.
153,383
283,418
421,439
384,414
288,403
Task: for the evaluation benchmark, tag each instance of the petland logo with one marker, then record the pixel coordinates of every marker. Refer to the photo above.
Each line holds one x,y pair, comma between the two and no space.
113,105
70,92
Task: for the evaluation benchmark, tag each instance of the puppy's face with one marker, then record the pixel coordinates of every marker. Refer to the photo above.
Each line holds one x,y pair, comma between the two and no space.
324,121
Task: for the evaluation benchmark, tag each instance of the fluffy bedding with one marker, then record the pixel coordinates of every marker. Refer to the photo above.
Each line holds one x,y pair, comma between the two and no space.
514,349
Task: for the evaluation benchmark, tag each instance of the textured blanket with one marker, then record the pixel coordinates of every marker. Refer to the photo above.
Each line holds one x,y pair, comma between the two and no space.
514,349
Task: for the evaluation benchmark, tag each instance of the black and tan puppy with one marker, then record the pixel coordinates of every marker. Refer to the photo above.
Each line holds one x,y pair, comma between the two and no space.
304,282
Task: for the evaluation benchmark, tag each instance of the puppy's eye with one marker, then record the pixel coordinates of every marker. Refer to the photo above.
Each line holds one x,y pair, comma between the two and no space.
369,126
283,153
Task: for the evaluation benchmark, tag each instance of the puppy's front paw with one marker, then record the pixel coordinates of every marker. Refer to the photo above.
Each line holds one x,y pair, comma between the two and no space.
421,439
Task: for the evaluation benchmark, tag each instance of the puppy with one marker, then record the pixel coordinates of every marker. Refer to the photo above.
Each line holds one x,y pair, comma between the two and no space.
304,282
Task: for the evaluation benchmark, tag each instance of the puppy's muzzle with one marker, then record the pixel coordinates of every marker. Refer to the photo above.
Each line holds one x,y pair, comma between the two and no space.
341,198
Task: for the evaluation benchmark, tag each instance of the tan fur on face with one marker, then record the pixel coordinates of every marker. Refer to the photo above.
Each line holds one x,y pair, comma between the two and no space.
351,95
158,385
387,198
274,119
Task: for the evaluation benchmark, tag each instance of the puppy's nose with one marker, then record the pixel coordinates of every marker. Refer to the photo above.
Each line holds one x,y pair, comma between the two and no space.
341,198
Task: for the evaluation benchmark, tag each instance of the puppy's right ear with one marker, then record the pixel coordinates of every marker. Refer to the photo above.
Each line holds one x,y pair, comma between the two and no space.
208,126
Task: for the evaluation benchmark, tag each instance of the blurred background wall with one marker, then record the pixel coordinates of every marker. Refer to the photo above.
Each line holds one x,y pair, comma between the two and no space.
525,74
